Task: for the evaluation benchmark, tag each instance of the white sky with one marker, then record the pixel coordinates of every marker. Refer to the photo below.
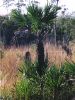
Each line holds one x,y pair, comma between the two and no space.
70,4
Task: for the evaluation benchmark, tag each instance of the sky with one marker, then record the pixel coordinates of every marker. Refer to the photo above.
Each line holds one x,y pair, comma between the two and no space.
70,4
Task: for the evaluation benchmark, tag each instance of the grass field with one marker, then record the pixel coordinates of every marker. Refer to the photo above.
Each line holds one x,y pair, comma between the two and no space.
13,58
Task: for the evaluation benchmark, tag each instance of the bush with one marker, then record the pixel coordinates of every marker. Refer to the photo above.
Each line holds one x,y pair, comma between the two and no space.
57,83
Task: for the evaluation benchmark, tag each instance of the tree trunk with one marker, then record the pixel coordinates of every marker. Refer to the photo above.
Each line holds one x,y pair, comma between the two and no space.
41,66
40,53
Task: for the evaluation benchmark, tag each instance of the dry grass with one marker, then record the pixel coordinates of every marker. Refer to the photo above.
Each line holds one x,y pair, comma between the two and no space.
13,58
10,63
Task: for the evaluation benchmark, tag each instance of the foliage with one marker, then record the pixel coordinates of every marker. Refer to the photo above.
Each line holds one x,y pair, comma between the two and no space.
40,17
7,31
58,83
18,18
65,29
22,89
28,85
38,20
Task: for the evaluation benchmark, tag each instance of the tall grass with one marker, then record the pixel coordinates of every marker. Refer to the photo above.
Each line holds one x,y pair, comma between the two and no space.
13,58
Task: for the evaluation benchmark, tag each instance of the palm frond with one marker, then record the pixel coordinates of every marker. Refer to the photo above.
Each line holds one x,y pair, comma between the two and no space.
36,12
18,18
50,12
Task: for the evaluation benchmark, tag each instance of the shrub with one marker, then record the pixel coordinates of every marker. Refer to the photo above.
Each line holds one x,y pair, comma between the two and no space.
58,83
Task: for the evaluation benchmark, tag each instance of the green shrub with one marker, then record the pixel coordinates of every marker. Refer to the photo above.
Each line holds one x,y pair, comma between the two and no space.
58,83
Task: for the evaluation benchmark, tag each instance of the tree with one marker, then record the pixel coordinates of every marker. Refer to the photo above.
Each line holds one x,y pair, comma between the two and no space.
65,29
2,18
55,33
57,1
40,20
20,4
40,25
7,3
7,31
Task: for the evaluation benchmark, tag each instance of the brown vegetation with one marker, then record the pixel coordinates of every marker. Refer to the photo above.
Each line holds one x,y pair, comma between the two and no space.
13,58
